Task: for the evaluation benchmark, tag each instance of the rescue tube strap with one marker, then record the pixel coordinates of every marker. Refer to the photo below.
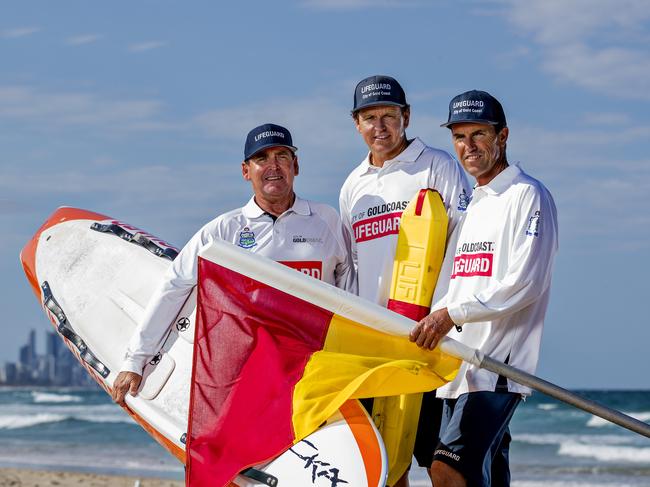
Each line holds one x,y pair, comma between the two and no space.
64,328
259,476
137,238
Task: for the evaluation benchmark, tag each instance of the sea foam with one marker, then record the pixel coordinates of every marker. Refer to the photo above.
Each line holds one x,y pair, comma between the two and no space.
560,438
566,483
597,422
12,422
547,406
40,397
606,453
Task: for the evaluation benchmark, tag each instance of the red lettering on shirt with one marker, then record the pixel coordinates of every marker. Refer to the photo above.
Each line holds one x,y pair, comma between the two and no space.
313,268
376,227
467,265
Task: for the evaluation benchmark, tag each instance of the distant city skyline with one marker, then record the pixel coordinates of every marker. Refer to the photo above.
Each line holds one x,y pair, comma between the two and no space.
56,366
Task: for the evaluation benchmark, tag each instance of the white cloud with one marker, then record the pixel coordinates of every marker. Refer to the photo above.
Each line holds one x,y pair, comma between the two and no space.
83,39
50,110
19,32
313,121
611,210
613,71
146,185
508,58
600,190
599,45
147,46
170,201
554,22
329,146
607,119
577,148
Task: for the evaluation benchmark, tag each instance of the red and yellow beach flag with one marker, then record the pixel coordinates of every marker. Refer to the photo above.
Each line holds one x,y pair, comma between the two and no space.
270,367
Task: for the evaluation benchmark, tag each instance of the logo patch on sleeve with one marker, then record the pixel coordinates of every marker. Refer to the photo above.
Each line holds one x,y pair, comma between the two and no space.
463,201
533,225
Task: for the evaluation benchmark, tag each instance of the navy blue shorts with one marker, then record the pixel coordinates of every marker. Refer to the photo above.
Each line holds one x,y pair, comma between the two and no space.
475,438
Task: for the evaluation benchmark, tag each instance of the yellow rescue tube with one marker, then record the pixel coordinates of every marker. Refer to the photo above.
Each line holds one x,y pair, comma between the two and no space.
418,259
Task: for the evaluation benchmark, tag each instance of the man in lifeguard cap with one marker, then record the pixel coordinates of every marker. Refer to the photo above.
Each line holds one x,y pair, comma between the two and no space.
375,194
497,296
275,223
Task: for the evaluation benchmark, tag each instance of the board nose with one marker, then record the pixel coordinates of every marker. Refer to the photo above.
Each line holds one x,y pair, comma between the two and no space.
28,252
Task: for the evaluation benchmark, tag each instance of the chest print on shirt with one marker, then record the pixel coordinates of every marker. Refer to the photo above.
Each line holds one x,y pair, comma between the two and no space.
247,239
473,259
310,240
378,221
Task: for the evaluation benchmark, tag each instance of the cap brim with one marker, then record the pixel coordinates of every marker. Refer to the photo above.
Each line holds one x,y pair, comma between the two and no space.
379,103
293,149
472,120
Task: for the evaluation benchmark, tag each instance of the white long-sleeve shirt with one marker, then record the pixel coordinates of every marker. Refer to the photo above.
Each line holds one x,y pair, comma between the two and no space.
499,287
372,200
307,237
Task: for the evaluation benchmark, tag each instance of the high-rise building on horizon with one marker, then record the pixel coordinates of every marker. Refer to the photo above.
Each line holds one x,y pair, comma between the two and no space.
32,348
56,367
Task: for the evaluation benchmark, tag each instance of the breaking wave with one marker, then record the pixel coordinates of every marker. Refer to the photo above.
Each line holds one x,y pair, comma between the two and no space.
596,422
41,397
606,453
18,421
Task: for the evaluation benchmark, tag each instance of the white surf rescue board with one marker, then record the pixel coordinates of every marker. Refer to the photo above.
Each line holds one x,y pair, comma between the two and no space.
94,276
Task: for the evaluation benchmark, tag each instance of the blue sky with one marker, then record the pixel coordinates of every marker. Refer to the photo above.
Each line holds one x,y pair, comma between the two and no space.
139,110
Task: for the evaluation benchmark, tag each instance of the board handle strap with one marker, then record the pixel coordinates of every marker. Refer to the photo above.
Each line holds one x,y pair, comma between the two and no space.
65,329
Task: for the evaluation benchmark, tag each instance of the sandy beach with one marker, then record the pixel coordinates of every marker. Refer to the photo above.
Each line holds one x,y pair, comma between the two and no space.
12,477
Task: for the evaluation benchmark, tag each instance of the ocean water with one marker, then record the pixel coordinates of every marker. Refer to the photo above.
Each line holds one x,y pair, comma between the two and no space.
554,445
80,430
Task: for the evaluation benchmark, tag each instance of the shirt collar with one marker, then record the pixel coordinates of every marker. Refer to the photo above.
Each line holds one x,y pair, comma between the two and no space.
301,207
410,154
252,210
502,181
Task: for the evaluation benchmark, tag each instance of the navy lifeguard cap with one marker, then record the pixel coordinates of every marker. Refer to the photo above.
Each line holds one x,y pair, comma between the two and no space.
378,90
475,107
267,135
